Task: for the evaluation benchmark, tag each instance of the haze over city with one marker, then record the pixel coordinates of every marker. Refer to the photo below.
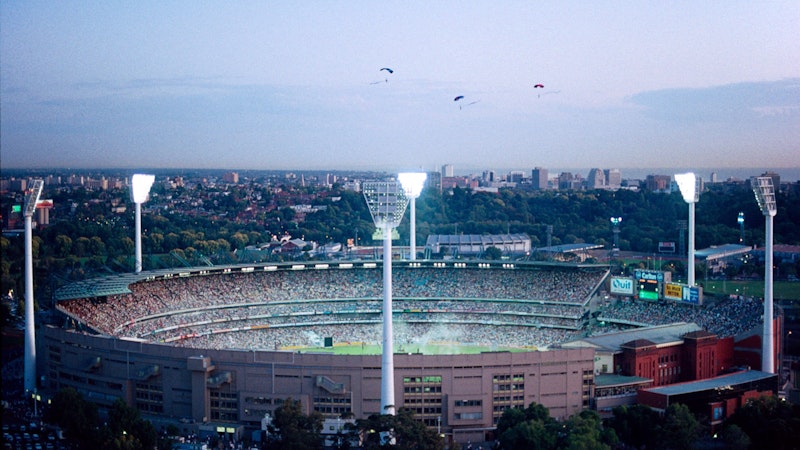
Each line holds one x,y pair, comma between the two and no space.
286,85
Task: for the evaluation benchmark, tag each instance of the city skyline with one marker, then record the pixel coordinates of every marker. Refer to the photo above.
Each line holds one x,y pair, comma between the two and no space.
268,86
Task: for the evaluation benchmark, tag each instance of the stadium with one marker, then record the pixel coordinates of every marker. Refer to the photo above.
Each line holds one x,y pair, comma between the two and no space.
217,349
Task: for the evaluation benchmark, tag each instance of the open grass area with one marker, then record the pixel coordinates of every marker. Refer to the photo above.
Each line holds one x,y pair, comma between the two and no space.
781,290
435,348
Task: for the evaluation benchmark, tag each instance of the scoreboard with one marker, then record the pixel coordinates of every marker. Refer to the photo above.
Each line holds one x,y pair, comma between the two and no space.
649,284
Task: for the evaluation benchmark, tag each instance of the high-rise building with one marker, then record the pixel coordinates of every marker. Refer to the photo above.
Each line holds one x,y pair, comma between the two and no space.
539,178
447,170
231,177
613,178
596,179
658,183
516,176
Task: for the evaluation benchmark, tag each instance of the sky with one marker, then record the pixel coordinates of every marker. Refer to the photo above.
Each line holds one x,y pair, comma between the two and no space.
297,85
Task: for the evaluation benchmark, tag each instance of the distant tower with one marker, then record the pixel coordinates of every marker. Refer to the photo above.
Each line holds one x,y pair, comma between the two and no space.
596,179
613,178
539,178
447,170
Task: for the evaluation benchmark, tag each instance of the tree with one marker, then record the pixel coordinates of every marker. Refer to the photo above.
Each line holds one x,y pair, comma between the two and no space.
635,425
408,433
293,430
679,429
127,430
735,438
75,416
585,431
493,253
769,422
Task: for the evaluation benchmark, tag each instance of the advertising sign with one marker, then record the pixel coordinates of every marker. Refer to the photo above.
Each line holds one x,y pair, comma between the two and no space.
673,291
621,286
693,295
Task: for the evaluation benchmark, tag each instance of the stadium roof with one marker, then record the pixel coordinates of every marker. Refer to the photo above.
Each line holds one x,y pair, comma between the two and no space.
570,248
486,240
610,379
658,335
722,251
721,382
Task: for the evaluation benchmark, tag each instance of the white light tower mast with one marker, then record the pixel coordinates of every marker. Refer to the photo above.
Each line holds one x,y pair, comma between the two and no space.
31,199
387,202
688,184
140,188
765,196
412,185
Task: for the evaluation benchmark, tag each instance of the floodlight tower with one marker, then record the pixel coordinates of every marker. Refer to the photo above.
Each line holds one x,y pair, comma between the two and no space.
740,221
412,185
688,184
615,221
386,201
765,196
140,188
31,199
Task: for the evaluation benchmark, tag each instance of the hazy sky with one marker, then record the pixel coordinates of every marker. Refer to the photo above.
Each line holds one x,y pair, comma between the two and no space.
297,84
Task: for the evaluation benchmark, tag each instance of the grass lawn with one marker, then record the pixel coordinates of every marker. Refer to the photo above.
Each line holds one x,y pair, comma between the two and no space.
781,290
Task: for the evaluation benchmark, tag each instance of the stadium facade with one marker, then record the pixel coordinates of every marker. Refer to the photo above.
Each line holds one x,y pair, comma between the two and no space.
232,389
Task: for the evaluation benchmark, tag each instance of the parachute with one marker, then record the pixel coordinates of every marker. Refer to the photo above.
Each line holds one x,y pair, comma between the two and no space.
461,97
538,86
385,80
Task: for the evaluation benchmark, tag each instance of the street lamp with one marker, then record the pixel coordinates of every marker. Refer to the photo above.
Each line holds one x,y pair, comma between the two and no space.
140,188
765,196
386,201
31,199
412,185
687,183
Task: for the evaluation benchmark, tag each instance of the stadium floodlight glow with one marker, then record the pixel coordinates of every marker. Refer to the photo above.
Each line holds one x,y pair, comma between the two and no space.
31,199
412,185
688,184
764,190
386,201
140,188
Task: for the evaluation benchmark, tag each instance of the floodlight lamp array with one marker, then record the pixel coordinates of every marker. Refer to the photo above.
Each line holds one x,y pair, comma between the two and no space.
616,220
688,183
386,201
412,183
764,191
32,198
140,187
